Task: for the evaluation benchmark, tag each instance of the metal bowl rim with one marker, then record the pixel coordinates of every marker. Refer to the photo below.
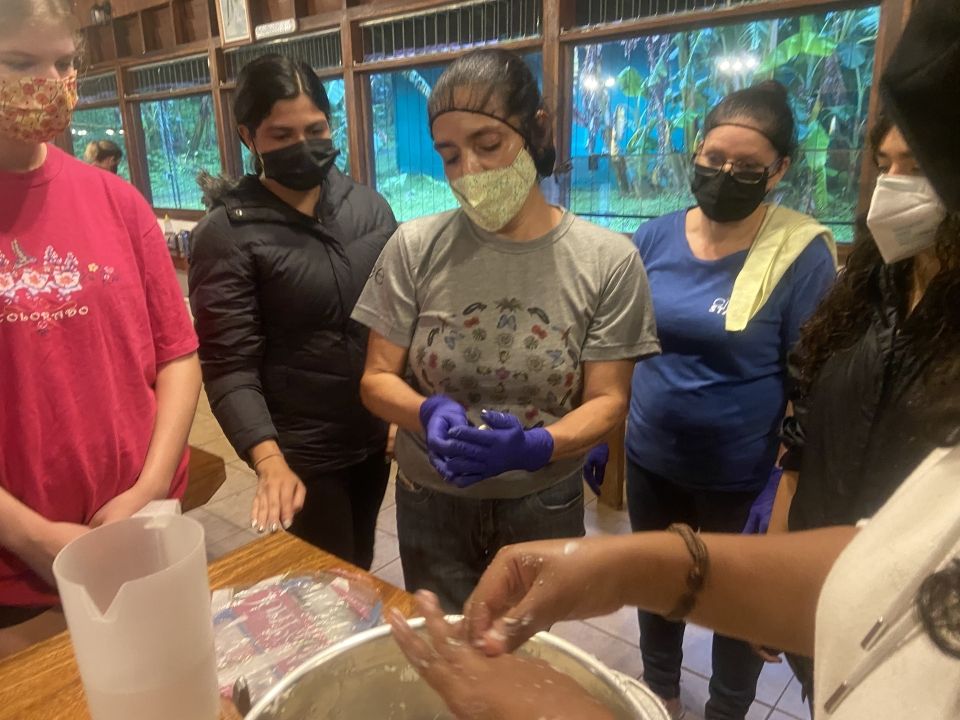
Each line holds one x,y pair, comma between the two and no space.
615,681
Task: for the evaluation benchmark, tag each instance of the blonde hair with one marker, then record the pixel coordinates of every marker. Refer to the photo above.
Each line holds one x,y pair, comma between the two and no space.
100,150
16,14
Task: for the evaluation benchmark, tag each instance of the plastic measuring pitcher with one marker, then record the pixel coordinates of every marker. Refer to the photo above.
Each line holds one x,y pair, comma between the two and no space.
137,603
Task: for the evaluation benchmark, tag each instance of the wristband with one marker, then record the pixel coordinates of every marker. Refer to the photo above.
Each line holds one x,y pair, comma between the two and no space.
697,575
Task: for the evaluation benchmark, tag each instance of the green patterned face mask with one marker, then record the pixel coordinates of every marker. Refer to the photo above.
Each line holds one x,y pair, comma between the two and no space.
494,197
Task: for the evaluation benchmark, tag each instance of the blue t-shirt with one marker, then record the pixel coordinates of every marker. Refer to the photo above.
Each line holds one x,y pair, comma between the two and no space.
706,412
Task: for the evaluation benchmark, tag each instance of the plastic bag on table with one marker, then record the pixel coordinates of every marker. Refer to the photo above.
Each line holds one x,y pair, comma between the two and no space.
265,631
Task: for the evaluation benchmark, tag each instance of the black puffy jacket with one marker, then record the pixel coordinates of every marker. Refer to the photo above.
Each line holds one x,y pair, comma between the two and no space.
272,291
858,434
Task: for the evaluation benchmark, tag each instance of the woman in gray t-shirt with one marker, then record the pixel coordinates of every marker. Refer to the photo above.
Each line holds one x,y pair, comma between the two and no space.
503,337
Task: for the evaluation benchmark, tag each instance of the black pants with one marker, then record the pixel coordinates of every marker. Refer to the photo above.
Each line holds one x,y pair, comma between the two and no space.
340,514
655,503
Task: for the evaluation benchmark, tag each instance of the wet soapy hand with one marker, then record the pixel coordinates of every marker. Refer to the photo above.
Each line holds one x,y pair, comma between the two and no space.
529,587
477,687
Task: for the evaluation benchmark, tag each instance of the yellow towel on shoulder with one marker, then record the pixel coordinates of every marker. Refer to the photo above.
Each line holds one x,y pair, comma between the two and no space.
783,236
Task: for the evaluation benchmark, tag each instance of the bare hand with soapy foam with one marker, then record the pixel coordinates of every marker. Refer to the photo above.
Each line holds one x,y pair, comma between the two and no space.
477,687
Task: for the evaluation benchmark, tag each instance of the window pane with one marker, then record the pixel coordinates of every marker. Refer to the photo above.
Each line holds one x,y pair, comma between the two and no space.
181,139
408,171
338,125
639,106
99,124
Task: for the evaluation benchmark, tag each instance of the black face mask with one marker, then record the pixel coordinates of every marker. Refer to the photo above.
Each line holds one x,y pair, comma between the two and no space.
302,166
724,199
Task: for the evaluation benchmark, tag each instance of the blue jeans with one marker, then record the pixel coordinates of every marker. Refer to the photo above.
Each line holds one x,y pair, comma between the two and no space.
654,504
447,541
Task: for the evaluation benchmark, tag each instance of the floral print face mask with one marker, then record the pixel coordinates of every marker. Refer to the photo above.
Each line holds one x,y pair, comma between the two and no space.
493,198
36,110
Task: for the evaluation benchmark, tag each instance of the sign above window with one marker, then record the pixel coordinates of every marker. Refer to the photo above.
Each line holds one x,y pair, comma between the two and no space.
275,29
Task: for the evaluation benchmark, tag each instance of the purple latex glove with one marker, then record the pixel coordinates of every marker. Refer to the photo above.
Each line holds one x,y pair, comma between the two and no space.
438,415
475,454
595,467
759,518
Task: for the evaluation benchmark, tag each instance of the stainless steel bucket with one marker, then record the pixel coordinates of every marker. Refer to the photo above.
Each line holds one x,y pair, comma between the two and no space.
367,678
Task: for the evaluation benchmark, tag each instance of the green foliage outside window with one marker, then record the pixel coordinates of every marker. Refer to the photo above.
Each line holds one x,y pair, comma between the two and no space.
409,173
99,124
180,135
639,107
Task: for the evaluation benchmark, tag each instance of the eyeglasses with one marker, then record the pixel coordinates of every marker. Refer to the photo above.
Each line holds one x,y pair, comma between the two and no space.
747,174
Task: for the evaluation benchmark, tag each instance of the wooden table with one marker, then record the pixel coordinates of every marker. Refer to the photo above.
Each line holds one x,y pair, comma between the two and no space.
43,683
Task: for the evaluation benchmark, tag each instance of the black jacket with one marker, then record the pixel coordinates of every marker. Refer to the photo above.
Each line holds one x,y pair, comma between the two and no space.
272,291
857,435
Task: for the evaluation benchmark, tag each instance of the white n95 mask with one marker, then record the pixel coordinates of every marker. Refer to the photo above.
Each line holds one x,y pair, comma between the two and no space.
904,216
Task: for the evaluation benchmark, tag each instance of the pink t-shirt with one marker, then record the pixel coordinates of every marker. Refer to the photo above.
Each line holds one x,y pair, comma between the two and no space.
89,307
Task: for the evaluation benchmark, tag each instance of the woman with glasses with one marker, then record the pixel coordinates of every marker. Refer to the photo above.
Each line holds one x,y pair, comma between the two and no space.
732,279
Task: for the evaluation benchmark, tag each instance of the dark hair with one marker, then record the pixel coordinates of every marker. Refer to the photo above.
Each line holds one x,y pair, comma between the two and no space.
499,84
767,106
269,78
878,133
844,315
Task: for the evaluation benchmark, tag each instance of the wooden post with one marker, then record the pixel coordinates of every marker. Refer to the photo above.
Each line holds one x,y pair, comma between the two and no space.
557,16
135,140
356,97
615,481
893,18
225,135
